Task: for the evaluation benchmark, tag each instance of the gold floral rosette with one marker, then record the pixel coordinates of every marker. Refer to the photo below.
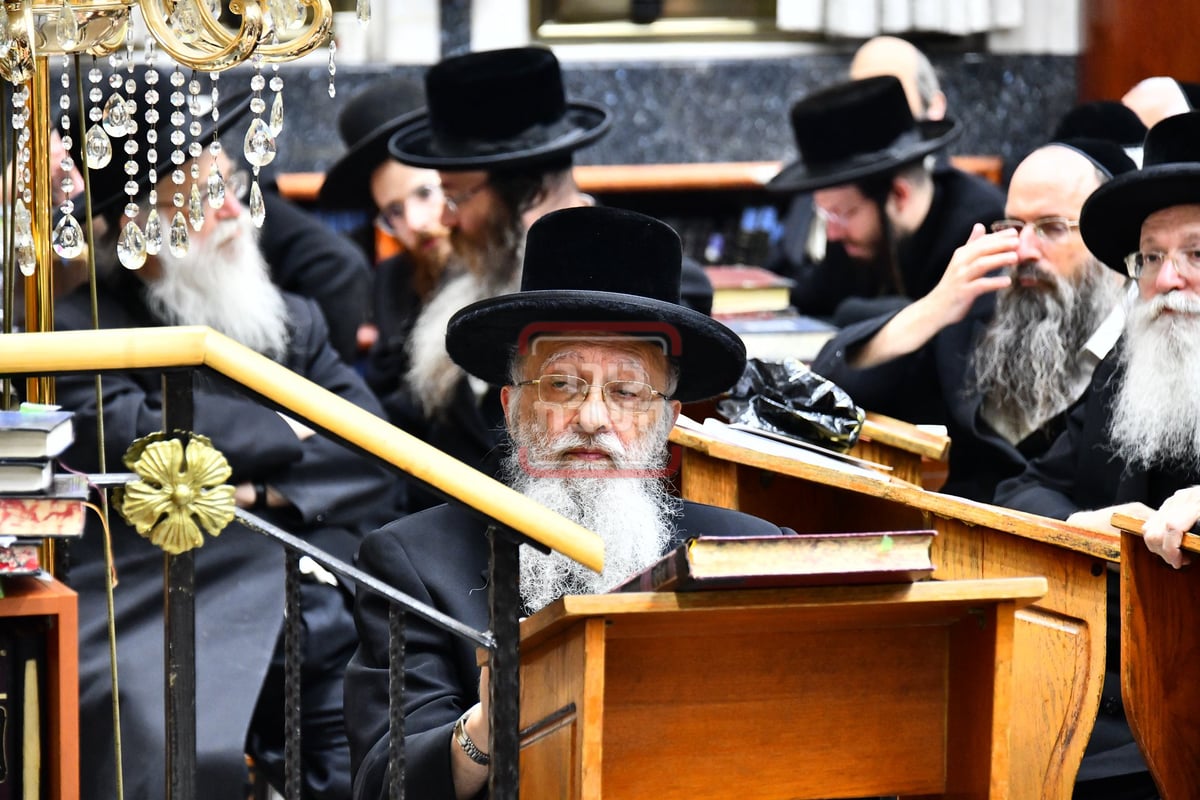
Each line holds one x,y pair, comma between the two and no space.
180,490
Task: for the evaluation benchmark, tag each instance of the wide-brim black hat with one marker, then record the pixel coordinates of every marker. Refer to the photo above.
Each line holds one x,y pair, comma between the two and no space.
108,182
498,108
366,124
1111,220
599,270
857,130
1102,119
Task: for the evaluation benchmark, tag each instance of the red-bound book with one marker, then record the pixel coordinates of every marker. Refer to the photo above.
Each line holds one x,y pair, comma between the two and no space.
58,513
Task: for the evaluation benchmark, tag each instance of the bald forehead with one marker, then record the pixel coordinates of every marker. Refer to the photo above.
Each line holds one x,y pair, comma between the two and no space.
1055,180
887,55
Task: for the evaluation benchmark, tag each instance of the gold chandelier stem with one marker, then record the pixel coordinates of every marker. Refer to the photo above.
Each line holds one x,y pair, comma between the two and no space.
39,287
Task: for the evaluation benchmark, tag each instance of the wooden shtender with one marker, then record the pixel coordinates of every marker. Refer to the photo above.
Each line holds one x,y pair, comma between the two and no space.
1160,648
772,694
1058,653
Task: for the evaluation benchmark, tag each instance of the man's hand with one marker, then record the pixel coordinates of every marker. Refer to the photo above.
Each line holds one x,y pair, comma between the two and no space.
1100,520
965,279
1164,529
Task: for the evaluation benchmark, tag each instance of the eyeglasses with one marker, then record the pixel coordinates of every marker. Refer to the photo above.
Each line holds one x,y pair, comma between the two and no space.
571,391
1050,229
455,202
1147,265
394,215
834,218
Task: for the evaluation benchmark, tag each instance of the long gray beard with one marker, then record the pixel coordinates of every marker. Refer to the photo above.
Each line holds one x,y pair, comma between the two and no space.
223,282
432,375
1155,419
633,516
1023,362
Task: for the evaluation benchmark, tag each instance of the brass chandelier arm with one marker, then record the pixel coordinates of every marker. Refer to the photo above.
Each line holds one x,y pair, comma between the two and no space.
234,48
317,34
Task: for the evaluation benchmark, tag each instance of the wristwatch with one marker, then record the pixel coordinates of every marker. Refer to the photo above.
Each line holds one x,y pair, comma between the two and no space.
464,742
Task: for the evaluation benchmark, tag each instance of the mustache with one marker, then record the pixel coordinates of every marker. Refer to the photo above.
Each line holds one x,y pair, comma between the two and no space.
1175,301
1027,270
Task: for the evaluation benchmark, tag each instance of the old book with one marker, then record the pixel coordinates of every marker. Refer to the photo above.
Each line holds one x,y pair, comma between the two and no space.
59,512
740,289
777,335
815,559
27,477
35,434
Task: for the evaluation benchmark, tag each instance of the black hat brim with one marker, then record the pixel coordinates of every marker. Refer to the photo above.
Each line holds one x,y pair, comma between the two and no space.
348,182
1111,219
585,122
800,177
483,337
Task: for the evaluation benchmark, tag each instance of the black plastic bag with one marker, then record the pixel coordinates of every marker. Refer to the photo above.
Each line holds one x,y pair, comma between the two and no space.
790,399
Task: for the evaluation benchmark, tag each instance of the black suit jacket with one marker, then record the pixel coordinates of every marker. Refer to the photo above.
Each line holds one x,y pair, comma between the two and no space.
1081,472
931,385
439,557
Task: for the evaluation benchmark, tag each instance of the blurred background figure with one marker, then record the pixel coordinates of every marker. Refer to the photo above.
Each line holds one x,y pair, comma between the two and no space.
407,206
889,55
1159,97
1107,120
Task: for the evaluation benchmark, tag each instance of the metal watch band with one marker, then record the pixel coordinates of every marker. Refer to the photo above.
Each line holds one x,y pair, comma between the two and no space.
469,747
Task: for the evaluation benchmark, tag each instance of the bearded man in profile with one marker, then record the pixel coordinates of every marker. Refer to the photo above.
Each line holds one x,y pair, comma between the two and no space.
285,472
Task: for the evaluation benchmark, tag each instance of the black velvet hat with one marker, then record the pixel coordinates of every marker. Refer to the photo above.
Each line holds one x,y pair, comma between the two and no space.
108,182
499,108
599,269
1107,156
365,125
857,130
1111,221
1102,119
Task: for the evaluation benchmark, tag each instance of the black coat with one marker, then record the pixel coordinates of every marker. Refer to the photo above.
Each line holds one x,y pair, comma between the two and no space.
1080,472
931,385
959,201
439,557
338,495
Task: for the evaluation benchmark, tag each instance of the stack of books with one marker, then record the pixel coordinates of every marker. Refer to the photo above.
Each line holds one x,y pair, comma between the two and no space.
36,502
755,303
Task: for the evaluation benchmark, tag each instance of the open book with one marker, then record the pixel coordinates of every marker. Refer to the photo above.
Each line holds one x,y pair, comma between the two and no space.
813,559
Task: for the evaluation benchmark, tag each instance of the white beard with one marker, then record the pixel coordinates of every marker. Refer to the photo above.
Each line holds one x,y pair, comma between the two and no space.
223,282
631,515
1155,418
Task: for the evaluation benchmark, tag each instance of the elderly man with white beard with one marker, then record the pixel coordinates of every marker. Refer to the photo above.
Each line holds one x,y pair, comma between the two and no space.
288,474
1135,444
1007,341
588,406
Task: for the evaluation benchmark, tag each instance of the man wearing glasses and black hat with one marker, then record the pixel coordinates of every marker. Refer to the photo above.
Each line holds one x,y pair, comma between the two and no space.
502,134
1136,441
892,222
1008,339
593,357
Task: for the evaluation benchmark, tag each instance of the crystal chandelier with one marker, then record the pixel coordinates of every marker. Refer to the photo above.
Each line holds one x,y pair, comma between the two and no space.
184,48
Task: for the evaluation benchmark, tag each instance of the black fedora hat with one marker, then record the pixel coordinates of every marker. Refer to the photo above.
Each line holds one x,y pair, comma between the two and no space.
1102,119
1105,154
1111,221
108,182
498,108
854,131
365,125
589,269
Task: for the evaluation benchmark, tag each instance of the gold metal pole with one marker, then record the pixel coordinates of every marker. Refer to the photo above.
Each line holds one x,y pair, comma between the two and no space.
39,287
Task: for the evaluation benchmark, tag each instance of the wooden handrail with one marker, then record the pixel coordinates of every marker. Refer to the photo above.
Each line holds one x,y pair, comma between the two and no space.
600,178
161,348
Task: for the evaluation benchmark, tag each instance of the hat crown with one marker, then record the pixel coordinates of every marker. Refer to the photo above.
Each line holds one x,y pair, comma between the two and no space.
851,119
597,249
377,105
495,94
1174,140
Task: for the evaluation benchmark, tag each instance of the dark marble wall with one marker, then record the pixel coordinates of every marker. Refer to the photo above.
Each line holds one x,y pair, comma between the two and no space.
701,111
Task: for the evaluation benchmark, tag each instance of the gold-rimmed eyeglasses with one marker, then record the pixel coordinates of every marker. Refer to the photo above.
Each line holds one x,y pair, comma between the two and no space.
1050,229
455,202
1148,264
570,391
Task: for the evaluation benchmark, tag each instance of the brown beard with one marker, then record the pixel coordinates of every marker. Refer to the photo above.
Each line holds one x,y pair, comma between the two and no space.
1022,363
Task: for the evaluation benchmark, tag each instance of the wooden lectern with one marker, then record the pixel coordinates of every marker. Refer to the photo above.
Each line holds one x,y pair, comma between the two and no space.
1160,648
798,693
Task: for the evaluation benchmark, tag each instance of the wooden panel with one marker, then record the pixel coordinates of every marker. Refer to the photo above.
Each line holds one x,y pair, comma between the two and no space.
28,597
1119,44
